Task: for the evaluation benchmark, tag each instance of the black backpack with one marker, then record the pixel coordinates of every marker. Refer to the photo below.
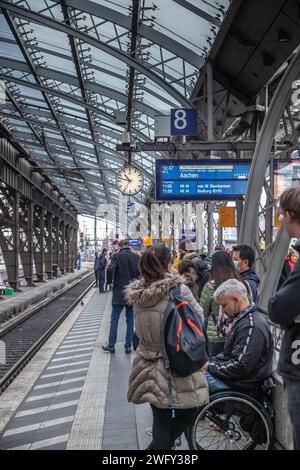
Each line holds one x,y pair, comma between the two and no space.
184,342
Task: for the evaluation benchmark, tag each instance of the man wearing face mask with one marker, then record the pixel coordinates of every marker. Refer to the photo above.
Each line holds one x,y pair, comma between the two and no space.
247,357
243,257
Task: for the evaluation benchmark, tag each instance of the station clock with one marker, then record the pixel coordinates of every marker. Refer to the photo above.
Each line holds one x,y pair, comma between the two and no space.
129,180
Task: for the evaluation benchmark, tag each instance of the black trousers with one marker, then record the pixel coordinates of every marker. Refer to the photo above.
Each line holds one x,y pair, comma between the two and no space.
169,424
97,276
292,389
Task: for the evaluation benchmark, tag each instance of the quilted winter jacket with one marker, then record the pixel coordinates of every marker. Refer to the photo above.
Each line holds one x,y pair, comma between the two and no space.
148,382
211,312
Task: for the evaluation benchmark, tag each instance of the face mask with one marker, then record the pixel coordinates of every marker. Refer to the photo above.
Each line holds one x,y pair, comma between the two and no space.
195,278
236,263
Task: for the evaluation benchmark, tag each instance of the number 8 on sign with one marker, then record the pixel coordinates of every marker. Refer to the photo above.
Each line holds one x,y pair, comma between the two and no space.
184,121
180,119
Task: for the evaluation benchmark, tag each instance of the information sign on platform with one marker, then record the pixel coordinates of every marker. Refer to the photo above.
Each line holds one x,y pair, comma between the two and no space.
184,122
227,217
190,180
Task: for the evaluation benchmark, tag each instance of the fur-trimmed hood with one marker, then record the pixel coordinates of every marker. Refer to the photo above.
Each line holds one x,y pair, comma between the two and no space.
137,294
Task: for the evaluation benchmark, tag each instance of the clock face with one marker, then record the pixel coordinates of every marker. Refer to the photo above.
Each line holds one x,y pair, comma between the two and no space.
130,180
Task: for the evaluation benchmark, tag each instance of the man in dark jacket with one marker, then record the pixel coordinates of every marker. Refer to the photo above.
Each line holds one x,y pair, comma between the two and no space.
248,352
96,267
102,269
123,269
243,257
284,309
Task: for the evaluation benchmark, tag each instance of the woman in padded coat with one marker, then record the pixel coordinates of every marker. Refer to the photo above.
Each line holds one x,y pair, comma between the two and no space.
148,382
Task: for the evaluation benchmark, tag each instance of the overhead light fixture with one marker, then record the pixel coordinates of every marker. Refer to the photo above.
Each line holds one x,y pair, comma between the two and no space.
283,36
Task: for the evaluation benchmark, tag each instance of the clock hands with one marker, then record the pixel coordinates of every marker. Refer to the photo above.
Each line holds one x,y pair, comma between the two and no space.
123,179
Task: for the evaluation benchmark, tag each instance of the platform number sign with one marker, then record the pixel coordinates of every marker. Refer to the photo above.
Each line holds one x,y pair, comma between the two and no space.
184,121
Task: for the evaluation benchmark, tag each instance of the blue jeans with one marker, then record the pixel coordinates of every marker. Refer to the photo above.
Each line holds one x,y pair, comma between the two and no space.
101,279
215,385
115,315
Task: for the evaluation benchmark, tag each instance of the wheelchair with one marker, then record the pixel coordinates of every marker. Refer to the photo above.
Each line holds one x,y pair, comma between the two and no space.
235,421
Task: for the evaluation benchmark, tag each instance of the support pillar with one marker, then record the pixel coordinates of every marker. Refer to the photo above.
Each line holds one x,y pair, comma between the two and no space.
210,228
68,264
48,245
26,239
39,249
239,214
61,246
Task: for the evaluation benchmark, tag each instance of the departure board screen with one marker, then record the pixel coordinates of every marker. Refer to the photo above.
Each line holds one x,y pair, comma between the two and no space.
190,180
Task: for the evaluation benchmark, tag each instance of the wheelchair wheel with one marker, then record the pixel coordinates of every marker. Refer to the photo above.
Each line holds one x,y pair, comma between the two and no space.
231,421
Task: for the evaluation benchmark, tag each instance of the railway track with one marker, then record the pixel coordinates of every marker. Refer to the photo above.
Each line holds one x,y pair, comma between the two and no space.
27,333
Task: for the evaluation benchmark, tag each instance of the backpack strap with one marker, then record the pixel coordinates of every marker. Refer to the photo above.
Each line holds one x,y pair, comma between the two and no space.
172,293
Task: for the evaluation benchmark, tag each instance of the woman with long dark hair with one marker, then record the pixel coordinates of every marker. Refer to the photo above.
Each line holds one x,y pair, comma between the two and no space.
222,269
148,381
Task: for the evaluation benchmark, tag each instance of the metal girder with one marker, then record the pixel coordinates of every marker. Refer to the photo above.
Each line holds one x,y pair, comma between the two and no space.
249,224
38,242
199,12
122,56
153,35
61,246
10,244
73,80
263,149
33,71
47,125
67,97
82,86
48,255
26,241
133,52
82,148
171,147
34,132
92,66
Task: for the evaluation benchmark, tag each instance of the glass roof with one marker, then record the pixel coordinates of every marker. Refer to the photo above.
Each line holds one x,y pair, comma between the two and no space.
66,65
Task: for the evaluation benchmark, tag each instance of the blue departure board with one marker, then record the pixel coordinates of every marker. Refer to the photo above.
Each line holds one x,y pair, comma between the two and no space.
190,180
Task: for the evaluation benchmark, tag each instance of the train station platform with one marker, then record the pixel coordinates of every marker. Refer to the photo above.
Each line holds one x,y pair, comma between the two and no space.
72,395
29,296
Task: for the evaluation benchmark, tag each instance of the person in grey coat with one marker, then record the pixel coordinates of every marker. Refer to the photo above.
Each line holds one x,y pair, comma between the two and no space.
148,382
123,268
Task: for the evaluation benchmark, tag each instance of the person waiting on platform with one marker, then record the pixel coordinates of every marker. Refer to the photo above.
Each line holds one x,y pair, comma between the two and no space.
102,269
248,351
243,257
123,268
222,269
96,268
149,380
188,271
284,309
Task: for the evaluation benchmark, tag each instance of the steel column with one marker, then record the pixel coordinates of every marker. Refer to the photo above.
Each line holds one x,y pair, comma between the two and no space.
48,245
68,261
39,242
26,239
61,246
